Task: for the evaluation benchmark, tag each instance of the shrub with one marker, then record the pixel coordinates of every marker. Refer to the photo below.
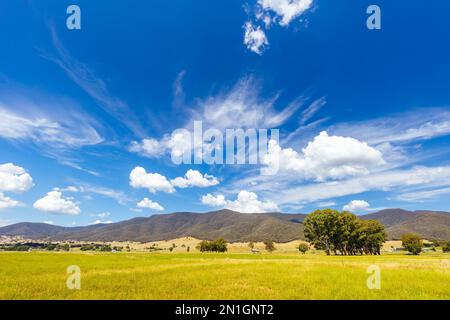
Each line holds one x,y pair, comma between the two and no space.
269,246
413,243
446,247
63,247
303,247
219,245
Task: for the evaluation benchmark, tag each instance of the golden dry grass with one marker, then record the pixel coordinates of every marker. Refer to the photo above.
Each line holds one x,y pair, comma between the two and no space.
42,275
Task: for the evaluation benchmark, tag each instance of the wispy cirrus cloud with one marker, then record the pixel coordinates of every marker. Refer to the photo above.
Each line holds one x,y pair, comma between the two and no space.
93,85
391,180
89,189
417,125
241,106
423,195
54,125
69,132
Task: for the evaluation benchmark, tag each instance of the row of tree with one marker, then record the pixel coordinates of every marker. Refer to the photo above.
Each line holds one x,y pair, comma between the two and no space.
343,233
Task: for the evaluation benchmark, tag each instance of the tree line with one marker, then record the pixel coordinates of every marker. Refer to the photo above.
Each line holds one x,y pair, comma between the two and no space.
341,232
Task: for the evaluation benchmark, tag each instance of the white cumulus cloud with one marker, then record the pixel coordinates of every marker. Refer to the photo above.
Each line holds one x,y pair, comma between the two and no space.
6,202
194,178
154,182
246,202
14,178
356,205
146,203
101,222
285,10
326,157
268,12
54,202
149,147
254,38
214,201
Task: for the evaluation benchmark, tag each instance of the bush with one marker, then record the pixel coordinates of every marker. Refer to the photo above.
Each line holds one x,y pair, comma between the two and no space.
219,245
63,247
50,247
446,247
96,247
269,246
17,247
303,247
413,243
435,243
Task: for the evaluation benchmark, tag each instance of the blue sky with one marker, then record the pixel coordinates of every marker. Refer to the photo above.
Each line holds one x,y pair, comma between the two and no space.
364,115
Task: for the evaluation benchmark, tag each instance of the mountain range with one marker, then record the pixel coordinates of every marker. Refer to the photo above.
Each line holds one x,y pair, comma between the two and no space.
230,225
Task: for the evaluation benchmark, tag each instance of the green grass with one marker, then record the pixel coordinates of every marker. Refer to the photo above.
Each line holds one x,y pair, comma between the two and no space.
40,275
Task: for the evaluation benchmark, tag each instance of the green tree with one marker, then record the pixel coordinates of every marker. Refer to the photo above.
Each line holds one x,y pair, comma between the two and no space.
204,246
219,245
303,247
343,233
269,246
374,236
346,233
413,243
320,229
446,247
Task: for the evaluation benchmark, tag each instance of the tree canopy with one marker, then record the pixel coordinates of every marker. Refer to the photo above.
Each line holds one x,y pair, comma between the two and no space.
218,245
413,243
343,233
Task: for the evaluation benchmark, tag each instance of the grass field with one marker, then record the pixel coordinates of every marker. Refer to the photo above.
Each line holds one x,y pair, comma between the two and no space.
41,275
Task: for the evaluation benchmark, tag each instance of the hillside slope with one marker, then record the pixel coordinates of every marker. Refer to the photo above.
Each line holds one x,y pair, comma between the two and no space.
428,224
230,225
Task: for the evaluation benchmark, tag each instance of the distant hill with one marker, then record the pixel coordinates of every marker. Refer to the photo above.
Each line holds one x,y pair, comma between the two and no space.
428,224
41,230
230,225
